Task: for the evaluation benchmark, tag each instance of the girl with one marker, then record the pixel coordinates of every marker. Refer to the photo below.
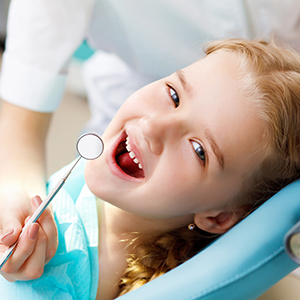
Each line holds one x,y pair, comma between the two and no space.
185,159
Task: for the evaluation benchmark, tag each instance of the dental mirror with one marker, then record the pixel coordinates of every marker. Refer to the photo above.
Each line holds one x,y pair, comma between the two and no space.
89,146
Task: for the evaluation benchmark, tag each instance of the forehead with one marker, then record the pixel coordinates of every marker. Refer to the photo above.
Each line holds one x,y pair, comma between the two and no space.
227,63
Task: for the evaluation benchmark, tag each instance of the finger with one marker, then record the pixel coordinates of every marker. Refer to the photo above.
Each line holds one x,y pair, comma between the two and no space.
33,267
23,250
12,219
48,225
9,236
12,226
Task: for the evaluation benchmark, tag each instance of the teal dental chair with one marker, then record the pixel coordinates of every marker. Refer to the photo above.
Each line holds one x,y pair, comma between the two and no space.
243,263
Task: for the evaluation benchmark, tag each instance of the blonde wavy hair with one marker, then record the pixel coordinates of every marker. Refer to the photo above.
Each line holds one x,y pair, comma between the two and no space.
272,82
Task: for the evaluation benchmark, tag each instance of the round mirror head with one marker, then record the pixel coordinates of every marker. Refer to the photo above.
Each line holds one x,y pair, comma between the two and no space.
89,146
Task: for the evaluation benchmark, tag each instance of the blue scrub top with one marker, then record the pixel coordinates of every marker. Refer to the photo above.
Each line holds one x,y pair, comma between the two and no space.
73,272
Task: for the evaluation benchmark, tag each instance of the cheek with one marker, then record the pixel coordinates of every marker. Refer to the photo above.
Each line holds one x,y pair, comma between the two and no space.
180,186
144,99
187,188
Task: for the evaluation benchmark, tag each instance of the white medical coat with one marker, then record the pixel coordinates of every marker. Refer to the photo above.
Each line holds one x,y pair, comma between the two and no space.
154,37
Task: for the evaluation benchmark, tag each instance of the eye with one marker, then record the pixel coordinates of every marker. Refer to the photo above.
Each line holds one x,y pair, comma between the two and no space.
174,96
199,150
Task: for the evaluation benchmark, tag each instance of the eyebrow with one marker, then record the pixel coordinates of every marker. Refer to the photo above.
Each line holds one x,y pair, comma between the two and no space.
216,150
186,86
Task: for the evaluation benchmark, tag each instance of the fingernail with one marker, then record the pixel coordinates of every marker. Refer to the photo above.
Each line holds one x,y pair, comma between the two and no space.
36,201
10,232
33,231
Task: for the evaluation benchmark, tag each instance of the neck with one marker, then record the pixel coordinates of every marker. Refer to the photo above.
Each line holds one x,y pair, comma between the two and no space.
112,256
114,248
118,229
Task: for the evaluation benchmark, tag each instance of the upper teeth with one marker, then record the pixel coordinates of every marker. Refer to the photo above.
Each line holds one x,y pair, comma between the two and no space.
132,154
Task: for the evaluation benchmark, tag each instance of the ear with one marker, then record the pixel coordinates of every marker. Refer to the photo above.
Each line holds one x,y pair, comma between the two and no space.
218,221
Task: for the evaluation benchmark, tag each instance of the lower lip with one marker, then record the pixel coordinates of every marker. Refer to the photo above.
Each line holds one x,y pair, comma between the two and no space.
114,167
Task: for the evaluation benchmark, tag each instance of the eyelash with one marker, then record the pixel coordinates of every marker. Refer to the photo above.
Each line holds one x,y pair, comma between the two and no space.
172,96
199,150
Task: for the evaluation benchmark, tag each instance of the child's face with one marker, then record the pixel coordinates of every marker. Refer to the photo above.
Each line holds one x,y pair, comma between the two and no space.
195,137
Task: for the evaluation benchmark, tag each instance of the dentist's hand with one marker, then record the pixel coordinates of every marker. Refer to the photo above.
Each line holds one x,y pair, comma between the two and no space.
36,246
22,175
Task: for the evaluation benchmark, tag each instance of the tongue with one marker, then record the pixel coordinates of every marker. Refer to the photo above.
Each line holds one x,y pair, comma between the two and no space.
128,166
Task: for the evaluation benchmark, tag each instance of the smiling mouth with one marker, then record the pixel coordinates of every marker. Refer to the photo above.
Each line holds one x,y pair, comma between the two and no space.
127,160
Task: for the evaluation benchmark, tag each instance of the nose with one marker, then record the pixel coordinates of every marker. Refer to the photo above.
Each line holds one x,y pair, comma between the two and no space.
159,130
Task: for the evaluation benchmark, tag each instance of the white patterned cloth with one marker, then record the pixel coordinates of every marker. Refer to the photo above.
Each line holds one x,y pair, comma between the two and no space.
73,271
